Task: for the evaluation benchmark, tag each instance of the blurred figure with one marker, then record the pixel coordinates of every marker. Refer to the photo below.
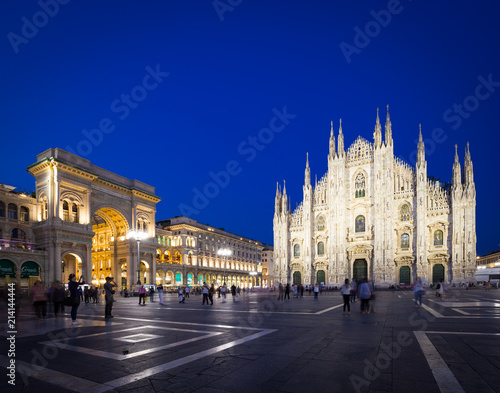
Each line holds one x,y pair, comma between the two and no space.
58,295
160,293
39,298
287,291
75,296
142,295
345,291
354,289
108,297
365,294
211,292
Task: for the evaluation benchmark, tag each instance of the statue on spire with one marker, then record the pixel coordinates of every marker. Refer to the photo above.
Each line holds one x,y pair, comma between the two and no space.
377,134
421,147
332,142
308,172
340,147
388,128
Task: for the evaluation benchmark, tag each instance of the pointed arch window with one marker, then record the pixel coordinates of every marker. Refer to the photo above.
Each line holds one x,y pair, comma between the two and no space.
321,223
359,185
360,224
405,212
296,250
438,238
321,248
405,241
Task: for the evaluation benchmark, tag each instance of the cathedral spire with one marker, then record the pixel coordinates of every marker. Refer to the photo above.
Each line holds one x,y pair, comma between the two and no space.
340,147
421,147
308,172
457,179
388,128
284,199
332,142
277,200
377,134
468,172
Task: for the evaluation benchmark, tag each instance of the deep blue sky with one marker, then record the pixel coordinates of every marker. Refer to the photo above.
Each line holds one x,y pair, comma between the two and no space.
225,78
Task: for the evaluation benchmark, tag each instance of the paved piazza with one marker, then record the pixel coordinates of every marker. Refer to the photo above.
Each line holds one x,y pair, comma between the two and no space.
258,344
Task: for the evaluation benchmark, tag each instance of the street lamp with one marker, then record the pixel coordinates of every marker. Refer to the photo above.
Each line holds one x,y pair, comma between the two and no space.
137,235
225,252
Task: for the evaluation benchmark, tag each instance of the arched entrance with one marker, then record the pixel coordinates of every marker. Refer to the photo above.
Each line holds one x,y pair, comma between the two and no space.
437,273
404,275
7,271
72,264
31,271
320,277
359,270
297,278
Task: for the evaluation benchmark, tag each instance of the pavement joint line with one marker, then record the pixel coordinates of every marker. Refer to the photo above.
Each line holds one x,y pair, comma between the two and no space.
444,377
432,311
461,311
461,333
328,309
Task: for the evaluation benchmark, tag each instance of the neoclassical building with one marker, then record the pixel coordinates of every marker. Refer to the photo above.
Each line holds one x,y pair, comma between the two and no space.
82,218
372,215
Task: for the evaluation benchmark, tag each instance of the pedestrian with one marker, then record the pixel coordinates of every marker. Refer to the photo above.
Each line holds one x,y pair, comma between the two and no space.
365,294
287,291
152,294
58,295
354,289
218,292
75,295
280,292
211,292
108,297
418,290
187,290
142,295
301,291
160,293
205,293
86,294
316,290
345,291
223,291
233,292
39,298
439,290
180,292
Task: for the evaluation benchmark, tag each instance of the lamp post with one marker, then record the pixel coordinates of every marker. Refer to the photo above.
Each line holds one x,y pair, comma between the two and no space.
137,235
225,252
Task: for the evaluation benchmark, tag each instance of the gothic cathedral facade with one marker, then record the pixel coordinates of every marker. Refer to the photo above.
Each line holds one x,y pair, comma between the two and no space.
373,216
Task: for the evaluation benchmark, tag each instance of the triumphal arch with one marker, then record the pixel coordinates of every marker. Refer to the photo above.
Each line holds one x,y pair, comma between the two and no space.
86,215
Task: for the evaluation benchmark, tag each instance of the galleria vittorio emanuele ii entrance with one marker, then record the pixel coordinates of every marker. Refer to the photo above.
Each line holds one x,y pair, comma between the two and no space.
92,222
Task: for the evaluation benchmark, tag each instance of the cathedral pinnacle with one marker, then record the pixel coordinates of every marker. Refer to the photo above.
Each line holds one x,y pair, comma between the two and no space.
332,142
388,128
468,172
308,172
377,134
457,177
340,147
421,147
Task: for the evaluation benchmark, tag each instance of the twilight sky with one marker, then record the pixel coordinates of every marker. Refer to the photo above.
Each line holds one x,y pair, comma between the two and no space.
177,93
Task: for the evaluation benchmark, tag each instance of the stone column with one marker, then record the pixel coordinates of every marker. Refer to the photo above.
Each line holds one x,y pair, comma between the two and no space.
57,263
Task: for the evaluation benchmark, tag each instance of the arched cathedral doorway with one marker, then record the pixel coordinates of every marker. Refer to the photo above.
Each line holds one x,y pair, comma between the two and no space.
437,273
297,278
359,270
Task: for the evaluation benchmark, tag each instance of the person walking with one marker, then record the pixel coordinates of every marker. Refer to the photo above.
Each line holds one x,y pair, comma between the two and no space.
108,297
233,292
418,291
58,295
354,289
345,291
223,291
142,295
205,293
287,291
181,292
187,290
211,292
160,293
439,290
74,294
316,291
39,298
280,292
365,294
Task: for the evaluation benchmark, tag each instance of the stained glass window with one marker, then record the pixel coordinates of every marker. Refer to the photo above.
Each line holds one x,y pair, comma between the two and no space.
359,185
405,212
321,223
321,248
405,240
296,250
360,223
438,238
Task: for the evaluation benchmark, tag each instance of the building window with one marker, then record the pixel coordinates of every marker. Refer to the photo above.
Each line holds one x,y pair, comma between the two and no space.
65,211
405,240
25,214
74,212
296,250
405,212
359,185
360,224
321,248
2,209
321,223
12,211
438,238
18,234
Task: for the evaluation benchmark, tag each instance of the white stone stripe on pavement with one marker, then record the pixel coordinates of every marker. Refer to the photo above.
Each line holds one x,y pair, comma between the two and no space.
445,379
